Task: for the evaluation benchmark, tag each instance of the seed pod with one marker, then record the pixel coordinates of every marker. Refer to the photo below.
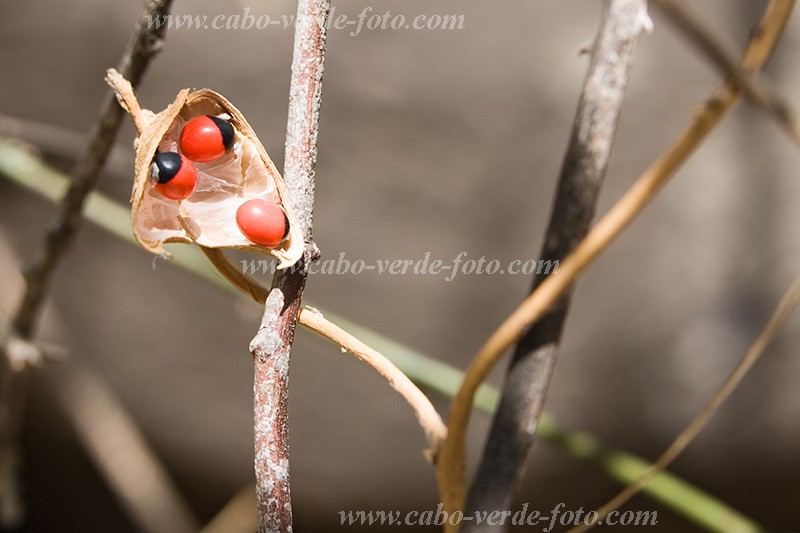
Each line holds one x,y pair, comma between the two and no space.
208,216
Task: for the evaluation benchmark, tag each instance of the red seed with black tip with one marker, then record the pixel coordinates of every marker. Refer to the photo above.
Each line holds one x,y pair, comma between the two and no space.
175,175
206,138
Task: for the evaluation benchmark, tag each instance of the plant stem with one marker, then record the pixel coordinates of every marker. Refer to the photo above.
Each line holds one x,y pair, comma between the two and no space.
272,345
514,425
686,499
785,307
427,416
757,89
146,42
451,462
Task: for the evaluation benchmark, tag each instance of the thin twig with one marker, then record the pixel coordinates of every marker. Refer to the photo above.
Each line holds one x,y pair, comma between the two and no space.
236,277
428,417
754,352
236,516
753,83
272,345
514,425
451,462
116,445
144,45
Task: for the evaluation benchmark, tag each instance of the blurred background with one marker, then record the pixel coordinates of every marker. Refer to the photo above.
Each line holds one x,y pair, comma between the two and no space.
441,141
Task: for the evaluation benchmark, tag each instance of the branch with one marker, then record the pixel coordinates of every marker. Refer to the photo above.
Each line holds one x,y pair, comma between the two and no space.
428,417
121,453
144,45
754,352
450,466
585,163
272,345
753,85
236,516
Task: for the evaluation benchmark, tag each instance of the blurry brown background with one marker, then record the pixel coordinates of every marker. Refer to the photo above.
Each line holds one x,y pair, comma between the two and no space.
440,141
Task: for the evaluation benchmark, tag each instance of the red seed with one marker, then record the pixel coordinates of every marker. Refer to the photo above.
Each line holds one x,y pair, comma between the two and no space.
262,222
176,177
206,138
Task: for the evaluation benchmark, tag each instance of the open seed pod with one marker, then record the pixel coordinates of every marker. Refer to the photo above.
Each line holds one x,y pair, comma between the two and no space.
208,216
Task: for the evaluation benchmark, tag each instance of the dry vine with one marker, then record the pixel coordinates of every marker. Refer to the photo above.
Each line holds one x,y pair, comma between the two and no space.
146,42
452,459
583,171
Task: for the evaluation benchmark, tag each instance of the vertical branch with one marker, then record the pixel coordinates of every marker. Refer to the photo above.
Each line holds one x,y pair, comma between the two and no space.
272,345
146,42
585,162
450,463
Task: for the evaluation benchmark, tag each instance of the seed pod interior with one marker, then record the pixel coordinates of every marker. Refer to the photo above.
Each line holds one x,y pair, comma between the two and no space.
208,216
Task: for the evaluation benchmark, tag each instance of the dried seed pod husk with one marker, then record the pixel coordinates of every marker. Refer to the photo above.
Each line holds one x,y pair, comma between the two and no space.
208,216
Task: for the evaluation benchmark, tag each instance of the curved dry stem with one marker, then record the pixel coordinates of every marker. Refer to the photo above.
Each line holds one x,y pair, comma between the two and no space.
451,462
754,352
237,278
428,417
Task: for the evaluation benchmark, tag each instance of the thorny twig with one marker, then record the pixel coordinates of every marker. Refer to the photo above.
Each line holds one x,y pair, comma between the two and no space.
144,45
450,466
272,345
514,426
